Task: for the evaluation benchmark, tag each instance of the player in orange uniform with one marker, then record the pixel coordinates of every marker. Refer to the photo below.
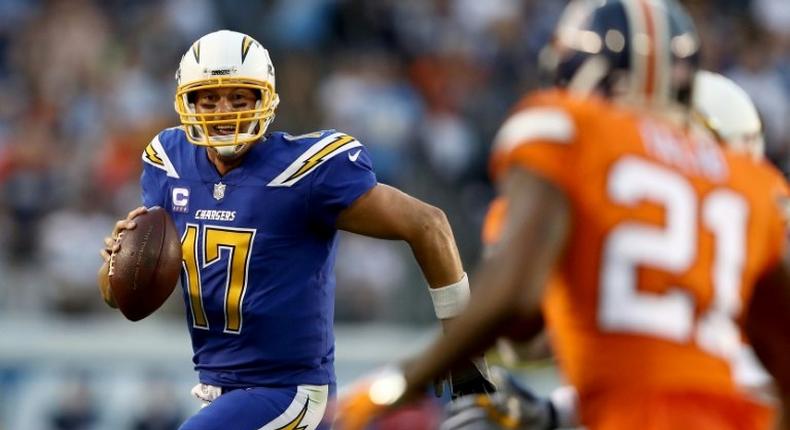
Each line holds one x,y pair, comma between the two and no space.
729,113
664,247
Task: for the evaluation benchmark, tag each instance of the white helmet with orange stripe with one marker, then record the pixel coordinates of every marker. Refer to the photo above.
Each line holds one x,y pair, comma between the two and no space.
729,113
646,50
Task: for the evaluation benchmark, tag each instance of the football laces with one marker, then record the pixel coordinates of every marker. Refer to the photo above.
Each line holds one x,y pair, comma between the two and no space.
112,256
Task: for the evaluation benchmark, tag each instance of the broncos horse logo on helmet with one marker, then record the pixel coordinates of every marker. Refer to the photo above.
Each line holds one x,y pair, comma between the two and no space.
645,50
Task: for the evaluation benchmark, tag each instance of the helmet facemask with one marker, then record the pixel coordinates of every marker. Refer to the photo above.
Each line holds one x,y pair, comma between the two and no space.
249,125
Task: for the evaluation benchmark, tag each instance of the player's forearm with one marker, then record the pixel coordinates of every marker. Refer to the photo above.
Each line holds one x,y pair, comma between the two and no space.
471,333
432,242
497,307
509,286
434,248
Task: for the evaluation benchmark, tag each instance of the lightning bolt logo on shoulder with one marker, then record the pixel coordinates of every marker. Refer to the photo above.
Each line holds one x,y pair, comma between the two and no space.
155,155
152,156
316,155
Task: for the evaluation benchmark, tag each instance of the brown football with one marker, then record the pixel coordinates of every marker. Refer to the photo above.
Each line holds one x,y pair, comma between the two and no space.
145,270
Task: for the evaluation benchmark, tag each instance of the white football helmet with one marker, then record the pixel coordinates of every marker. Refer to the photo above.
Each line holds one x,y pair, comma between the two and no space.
729,112
226,59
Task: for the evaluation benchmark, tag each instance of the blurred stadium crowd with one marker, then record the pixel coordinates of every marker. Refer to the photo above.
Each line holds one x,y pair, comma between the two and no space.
85,84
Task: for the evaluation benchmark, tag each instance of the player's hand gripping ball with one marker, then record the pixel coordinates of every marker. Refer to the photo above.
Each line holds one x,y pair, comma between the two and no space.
145,270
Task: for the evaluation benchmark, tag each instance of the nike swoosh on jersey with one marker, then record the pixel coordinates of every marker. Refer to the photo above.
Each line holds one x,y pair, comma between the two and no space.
353,157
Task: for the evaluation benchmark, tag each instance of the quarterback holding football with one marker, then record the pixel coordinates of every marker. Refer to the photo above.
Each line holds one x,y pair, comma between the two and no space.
258,215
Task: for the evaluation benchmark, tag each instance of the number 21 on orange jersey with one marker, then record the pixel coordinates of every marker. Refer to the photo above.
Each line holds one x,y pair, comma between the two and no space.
673,248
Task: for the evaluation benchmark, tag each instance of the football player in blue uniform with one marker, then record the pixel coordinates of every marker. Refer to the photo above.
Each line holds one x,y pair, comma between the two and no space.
258,216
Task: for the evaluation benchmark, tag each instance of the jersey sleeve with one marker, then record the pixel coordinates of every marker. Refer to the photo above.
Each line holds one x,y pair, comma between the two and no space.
338,183
156,168
538,137
152,186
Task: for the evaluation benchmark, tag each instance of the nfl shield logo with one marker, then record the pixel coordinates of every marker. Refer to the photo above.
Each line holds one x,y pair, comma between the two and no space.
219,191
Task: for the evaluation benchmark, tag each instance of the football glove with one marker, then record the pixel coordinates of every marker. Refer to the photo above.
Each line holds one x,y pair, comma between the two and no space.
471,377
513,406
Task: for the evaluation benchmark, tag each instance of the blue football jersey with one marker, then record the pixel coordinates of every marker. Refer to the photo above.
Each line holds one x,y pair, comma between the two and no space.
259,250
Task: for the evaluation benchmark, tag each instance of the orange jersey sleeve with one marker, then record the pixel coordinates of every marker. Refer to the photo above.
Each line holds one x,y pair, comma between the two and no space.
539,136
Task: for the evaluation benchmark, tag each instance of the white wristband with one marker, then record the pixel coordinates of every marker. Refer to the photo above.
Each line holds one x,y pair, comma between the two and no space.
451,300
566,404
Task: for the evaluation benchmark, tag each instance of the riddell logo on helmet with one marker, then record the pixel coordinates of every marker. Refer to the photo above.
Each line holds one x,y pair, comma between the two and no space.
221,72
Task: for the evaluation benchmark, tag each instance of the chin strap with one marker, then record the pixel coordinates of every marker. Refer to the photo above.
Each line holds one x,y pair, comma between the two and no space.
230,151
